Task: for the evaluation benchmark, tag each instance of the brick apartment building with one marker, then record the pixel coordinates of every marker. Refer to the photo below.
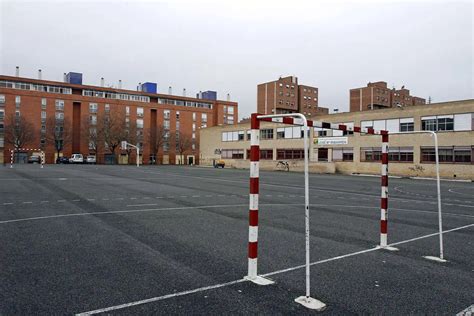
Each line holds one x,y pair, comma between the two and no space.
285,95
378,96
83,107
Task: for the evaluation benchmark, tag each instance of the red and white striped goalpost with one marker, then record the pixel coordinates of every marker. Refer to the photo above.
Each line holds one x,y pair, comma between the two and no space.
253,203
254,190
12,155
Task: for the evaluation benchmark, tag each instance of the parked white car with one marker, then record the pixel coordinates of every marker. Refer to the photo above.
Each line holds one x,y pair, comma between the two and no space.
91,159
76,158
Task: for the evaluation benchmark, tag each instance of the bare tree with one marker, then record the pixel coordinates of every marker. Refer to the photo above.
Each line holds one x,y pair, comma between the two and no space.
58,133
156,139
92,131
114,131
18,132
183,143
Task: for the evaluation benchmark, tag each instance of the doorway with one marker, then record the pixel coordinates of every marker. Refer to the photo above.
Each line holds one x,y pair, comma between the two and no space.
322,154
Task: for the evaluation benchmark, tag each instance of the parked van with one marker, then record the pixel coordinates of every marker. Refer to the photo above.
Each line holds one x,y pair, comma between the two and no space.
76,158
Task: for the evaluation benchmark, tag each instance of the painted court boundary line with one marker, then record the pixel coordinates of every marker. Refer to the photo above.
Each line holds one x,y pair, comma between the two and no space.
136,211
213,206
296,187
216,286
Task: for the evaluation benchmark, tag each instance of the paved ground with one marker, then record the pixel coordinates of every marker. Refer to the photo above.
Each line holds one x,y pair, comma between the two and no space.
83,238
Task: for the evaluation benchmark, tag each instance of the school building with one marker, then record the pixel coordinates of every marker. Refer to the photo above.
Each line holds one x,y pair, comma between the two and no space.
410,154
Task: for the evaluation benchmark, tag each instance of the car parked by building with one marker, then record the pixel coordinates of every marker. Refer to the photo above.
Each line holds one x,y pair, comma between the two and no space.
90,159
60,160
34,159
76,158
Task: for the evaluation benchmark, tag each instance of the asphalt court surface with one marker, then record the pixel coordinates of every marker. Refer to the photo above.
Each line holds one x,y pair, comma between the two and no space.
173,240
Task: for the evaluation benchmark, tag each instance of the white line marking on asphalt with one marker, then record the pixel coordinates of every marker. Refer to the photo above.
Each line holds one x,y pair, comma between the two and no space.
133,198
137,211
160,298
90,199
159,197
196,196
209,195
452,191
467,312
61,201
286,186
9,203
211,287
76,200
27,202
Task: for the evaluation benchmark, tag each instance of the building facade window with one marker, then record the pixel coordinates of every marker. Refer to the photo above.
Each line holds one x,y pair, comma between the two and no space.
107,108
93,120
44,102
370,154
400,154
93,107
343,154
266,133
290,154
407,125
2,99
232,136
140,112
456,154
59,105
166,114
232,154
17,99
204,117
59,116
139,123
437,123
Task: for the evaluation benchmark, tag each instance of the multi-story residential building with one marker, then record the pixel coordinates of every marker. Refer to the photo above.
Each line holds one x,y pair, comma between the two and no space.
85,107
378,96
285,95
334,151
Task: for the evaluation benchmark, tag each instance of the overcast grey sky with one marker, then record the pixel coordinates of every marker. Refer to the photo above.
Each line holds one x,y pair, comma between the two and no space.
231,46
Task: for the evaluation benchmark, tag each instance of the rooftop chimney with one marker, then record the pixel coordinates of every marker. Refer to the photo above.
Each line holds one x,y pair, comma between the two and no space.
39,74
120,84
184,92
170,90
102,81
64,77
17,71
228,96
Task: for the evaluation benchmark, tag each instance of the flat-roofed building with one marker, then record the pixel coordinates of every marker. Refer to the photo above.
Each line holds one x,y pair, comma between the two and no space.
378,96
351,153
142,114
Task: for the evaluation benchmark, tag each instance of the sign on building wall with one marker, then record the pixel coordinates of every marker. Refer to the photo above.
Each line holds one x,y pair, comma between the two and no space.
330,141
